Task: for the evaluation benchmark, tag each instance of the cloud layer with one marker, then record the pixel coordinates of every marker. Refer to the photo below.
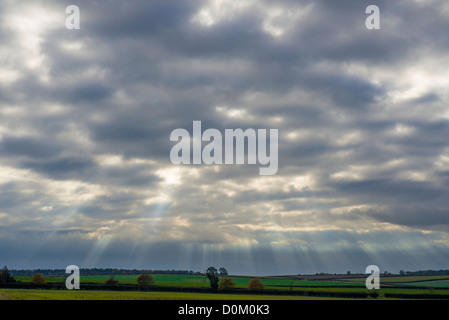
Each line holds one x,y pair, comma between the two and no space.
86,116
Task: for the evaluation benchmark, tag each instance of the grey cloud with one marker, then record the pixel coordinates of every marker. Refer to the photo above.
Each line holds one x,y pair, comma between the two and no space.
62,168
144,69
28,147
419,215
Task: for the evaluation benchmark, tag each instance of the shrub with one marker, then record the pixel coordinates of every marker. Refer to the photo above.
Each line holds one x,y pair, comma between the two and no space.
111,281
226,284
38,279
256,284
145,280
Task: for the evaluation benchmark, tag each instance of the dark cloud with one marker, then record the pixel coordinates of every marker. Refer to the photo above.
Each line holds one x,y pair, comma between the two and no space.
61,168
28,147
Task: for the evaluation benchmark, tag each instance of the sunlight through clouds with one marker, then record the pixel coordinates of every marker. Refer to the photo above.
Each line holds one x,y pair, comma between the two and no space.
30,24
86,117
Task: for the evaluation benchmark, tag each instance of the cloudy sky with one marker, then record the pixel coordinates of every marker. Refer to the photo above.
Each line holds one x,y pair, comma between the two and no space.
363,119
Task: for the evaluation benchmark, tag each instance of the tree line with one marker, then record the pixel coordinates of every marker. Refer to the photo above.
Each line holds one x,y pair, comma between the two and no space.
99,271
227,283
144,279
424,273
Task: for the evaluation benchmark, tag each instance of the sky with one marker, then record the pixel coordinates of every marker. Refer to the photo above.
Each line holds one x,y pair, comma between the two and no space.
363,117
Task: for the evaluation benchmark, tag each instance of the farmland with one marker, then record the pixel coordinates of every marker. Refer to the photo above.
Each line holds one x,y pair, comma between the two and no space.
182,280
403,279
24,294
177,286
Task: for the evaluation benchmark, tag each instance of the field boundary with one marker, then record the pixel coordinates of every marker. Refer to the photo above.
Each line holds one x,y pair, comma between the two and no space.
412,296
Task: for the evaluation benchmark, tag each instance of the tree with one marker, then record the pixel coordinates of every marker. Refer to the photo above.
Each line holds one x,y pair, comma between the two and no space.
226,284
256,284
348,273
5,276
111,281
211,273
223,271
145,280
38,279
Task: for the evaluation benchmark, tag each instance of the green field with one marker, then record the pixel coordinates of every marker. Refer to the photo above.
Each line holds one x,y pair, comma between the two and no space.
181,280
400,279
399,286
430,284
26,294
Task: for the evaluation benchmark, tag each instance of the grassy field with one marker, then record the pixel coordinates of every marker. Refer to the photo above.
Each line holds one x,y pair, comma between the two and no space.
181,280
399,286
25,294
401,279
432,284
